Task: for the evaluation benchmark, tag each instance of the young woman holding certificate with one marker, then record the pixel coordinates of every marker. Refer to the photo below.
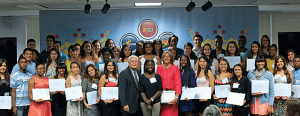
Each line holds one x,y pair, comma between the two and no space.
72,50
59,103
74,108
188,81
233,50
109,79
171,80
262,103
281,76
89,84
254,52
223,78
4,84
39,81
240,84
151,88
205,78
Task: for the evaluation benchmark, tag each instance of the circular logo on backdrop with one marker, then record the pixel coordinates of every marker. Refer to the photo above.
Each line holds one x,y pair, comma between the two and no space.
147,29
130,39
164,39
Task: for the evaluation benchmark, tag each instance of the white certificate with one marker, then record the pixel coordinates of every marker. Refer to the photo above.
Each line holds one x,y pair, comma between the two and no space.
57,84
108,93
73,93
221,91
235,98
296,90
233,60
92,97
167,96
5,102
213,69
282,90
43,94
122,66
250,64
101,68
221,55
202,92
188,93
192,64
260,86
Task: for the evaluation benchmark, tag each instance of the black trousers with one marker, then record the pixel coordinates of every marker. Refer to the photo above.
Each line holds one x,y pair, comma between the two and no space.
240,111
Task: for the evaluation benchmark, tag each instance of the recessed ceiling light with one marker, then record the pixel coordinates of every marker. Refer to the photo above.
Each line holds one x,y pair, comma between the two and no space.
147,4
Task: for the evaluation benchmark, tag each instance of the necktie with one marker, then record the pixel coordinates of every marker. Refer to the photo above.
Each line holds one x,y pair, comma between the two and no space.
135,78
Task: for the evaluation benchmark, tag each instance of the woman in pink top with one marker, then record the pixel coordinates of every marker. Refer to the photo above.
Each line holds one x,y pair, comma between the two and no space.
171,80
205,78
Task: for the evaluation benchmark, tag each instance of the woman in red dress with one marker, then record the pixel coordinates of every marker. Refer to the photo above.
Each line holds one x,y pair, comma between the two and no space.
39,107
171,80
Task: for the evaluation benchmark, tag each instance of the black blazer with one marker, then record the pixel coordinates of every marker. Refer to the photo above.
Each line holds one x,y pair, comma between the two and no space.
128,90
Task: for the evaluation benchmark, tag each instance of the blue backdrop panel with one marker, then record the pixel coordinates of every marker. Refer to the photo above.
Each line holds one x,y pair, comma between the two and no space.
122,25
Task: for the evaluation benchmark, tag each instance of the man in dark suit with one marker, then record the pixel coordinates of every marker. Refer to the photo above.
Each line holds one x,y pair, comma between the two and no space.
128,88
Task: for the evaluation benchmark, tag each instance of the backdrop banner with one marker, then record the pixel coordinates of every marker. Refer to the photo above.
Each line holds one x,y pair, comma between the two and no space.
130,25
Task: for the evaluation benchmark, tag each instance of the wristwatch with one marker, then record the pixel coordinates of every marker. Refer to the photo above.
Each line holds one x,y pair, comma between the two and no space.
152,99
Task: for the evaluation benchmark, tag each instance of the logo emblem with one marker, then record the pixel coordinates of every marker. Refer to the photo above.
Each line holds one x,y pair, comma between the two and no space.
147,29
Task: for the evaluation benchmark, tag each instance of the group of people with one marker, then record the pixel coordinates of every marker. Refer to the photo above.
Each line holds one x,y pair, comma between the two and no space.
151,71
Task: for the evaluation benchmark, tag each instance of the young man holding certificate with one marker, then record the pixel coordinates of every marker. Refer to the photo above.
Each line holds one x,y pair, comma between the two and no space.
128,88
19,84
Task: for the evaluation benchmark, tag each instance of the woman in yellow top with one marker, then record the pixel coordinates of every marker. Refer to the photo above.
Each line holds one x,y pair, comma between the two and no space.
72,58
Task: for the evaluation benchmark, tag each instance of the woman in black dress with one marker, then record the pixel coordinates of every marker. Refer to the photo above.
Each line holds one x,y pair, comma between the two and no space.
59,103
4,85
240,84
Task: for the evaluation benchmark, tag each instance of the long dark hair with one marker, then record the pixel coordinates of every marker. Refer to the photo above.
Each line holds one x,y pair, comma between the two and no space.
250,56
228,67
106,71
122,54
286,72
93,43
188,69
86,73
148,60
268,39
63,66
287,54
57,60
261,58
293,107
236,53
234,78
6,74
160,49
192,55
206,68
107,42
152,45
210,55
82,52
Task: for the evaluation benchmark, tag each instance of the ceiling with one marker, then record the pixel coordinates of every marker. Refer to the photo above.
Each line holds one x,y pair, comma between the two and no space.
264,5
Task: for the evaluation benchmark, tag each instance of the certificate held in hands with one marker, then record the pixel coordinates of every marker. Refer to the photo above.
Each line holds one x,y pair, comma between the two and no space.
235,98
5,102
261,86
221,91
202,92
233,60
43,94
250,64
282,90
73,93
167,96
57,85
108,93
92,97
296,90
188,93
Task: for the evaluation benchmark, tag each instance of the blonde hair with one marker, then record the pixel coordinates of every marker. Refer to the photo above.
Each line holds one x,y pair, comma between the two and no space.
170,55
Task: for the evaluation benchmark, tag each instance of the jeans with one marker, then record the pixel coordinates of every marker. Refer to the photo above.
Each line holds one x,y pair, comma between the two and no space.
155,109
22,110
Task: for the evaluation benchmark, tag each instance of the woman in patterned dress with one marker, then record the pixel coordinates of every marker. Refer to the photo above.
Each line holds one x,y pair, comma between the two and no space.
281,76
74,108
223,78
52,63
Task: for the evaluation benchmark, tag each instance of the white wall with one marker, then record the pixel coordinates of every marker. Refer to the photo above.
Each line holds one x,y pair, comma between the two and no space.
270,23
33,30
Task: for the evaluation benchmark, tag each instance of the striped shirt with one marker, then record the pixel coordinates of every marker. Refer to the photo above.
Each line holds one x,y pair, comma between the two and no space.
19,81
